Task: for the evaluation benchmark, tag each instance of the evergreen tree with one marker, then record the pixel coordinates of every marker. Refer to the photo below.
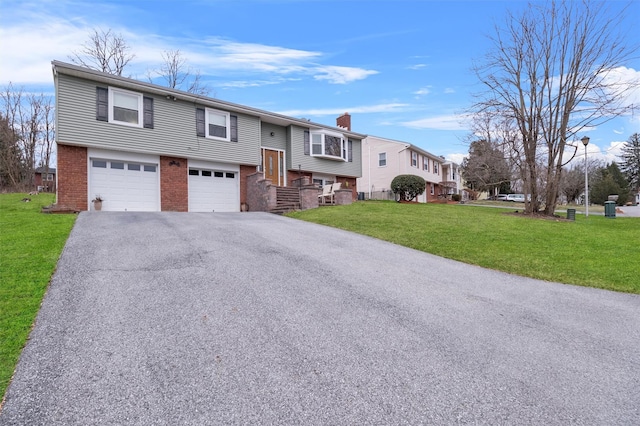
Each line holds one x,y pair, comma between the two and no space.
630,164
609,181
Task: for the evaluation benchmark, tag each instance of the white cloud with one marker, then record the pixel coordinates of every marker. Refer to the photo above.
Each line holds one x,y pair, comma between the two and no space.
342,75
627,80
417,66
457,157
449,90
423,91
31,40
27,50
367,109
442,122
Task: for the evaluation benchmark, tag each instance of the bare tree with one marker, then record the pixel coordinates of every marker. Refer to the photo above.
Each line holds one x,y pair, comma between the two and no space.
178,74
105,51
26,135
552,71
10,156
572,182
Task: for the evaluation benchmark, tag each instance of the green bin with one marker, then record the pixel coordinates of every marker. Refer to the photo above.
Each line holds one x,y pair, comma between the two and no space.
571,214
610,209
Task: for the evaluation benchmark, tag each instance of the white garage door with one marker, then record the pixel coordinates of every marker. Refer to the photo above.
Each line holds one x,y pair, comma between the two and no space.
125,185
213,190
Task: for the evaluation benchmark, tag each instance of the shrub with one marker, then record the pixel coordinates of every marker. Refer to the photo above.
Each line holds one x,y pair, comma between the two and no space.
455,197
407,187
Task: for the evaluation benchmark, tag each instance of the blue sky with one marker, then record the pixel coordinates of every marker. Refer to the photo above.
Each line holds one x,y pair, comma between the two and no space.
401,68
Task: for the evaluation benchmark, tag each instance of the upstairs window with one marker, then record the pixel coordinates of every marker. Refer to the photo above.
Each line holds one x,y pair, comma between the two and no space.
425,164
124,107
332,146
382,159
435,168
215,124
414,159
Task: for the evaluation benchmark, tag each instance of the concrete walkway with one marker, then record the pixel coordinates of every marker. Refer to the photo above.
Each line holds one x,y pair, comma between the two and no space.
629,211
251,318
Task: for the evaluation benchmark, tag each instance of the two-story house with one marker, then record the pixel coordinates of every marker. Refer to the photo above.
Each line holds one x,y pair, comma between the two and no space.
144,147
384,159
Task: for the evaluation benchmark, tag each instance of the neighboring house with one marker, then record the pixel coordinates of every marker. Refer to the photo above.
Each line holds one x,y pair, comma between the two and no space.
384,159
144,147
45,179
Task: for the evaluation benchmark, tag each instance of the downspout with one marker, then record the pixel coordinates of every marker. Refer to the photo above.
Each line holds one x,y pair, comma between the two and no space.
370,188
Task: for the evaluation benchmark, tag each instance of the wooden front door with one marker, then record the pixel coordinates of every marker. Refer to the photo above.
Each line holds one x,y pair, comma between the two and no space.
273,164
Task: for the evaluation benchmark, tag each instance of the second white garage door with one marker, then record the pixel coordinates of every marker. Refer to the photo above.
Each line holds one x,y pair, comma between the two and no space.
214,190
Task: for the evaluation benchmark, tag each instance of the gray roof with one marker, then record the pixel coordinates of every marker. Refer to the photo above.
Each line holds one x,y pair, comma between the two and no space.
44,170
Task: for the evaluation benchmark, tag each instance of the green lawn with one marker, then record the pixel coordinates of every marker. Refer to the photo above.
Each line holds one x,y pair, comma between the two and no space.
30,245
596,251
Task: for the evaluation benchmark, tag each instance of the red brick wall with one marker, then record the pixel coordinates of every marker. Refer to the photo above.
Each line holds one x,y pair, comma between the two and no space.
244,172
72,177
348,183
174,186
293,175
436,192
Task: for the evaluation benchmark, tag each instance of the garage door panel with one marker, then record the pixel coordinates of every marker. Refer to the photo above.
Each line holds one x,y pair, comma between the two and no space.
124,185
213,190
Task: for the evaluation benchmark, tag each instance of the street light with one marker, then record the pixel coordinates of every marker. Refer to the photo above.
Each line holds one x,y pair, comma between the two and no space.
585,142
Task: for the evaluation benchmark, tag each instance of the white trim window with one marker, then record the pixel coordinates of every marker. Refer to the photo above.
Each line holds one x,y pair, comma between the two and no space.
382,159
329,145
216,124
322,180
414,159
125,107
435,168
425,163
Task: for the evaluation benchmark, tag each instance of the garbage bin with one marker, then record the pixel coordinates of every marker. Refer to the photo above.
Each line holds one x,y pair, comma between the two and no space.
571,214
360,196
610,209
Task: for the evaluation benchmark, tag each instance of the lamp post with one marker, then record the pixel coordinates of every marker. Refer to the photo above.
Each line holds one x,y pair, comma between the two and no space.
585,142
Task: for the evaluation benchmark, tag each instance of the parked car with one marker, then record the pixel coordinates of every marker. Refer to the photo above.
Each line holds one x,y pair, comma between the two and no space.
518,198
501,197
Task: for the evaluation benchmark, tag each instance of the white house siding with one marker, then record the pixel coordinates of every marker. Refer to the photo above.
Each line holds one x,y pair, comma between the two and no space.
174,132
377,178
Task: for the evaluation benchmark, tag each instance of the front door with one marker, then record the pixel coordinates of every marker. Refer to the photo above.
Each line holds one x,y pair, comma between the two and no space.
273,164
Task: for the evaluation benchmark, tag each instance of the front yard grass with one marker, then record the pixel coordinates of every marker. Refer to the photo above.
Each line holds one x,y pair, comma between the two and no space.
595,252
30,245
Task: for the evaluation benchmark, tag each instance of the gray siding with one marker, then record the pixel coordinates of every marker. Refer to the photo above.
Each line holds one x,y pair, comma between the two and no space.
279,138
295,157
174,132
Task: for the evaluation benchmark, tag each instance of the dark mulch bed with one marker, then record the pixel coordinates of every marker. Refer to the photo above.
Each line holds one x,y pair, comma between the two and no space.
538,216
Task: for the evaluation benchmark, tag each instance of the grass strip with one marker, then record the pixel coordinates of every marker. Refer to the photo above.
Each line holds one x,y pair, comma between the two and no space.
595,251
30,244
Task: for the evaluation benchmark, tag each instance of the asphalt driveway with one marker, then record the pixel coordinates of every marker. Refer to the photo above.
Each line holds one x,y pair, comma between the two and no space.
252,318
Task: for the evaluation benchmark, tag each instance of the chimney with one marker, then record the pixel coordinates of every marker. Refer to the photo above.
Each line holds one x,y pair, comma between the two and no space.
344,121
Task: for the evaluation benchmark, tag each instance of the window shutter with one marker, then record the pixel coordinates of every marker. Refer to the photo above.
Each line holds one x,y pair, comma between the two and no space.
102,104
234,127
307,143
148,112
350,151
200,127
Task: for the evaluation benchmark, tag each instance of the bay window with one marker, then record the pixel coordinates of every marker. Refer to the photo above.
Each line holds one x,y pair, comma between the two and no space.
332,146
